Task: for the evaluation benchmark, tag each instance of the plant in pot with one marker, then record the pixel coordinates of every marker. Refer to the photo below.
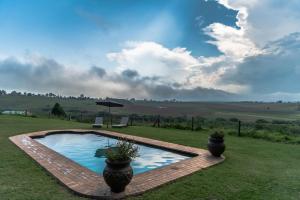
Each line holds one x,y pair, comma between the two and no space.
216,144
118,172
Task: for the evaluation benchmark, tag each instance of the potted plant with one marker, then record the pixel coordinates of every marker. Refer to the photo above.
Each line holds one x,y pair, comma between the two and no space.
216,144
118,172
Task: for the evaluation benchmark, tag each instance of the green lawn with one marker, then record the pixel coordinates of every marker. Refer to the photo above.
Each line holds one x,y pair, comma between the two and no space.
253,169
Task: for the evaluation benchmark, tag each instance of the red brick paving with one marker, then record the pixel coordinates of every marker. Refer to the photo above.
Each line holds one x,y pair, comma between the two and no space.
86,183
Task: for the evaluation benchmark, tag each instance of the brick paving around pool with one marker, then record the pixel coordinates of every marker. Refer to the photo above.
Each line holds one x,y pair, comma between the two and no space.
87,183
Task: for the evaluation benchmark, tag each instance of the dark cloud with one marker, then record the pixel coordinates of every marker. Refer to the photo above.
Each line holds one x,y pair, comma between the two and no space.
128,73
195,94
14,74
176,85
98,71
157,90
47,75
278,70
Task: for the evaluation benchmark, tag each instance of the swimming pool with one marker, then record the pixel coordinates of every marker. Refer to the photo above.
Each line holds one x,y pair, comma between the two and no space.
82,148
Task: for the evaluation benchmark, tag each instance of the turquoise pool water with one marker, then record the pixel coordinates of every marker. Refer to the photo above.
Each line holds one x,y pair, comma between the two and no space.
81,148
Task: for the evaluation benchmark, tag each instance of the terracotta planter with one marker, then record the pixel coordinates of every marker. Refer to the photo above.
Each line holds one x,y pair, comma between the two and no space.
117,175
216,146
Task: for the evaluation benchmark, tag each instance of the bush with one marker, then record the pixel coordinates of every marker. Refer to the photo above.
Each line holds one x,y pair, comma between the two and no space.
262,121
276,121
123,151
198,128
176,126
234,119
57,110
231,132
259,126
220,119
295,130
270,136
217,134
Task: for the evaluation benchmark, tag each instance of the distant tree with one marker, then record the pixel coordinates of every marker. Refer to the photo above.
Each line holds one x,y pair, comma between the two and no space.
15,93
51,95
3,92
57,110
81,96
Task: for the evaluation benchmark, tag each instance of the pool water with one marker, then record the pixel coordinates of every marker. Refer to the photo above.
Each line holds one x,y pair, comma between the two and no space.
81,148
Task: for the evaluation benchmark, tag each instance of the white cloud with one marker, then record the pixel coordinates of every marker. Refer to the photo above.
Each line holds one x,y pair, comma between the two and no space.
250,62
234,42
266,20
153,59
176,66
231,41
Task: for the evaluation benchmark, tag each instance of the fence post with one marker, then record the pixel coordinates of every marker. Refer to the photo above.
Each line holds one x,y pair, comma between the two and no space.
192,123
239,128
131,120
158,121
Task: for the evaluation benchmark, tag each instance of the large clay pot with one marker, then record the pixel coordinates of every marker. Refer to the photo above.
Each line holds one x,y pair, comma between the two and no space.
216,146
117,175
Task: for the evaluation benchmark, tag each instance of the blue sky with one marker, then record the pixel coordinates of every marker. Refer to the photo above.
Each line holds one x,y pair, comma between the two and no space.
66,30
175,48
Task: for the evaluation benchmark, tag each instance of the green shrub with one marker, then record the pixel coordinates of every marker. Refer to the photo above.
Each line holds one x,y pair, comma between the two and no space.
276,121
234,119
295,130
198,128
217,134
232,132
259,126
123,151
220,119
57,110
262,121
176,126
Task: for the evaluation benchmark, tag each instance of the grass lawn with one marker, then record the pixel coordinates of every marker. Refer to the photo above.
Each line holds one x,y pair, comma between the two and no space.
253,169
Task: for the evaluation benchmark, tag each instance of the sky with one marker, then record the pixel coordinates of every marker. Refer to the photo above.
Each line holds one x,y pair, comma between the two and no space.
191,50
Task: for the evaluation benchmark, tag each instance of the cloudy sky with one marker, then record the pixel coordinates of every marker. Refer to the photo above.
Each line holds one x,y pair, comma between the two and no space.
188,50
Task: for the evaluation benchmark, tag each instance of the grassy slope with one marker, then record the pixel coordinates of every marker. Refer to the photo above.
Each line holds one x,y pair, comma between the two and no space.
254,169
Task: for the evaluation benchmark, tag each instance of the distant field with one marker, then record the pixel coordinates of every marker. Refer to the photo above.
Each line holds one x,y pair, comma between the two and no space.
40,105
